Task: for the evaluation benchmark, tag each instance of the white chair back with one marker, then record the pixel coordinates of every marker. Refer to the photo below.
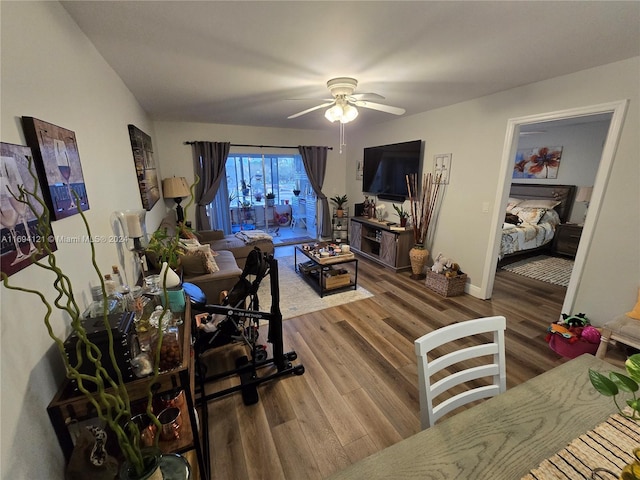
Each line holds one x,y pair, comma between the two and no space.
492,365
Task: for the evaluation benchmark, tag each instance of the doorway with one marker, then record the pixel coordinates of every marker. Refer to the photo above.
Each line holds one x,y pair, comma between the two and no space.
617,110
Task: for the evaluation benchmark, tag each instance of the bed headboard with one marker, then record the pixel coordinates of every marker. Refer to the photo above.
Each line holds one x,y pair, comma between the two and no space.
533,191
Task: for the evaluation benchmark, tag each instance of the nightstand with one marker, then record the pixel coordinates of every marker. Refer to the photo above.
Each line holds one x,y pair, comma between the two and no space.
567,239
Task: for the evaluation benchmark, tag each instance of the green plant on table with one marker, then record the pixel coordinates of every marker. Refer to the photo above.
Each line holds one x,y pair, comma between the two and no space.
270,196
400,211
611,386
107,394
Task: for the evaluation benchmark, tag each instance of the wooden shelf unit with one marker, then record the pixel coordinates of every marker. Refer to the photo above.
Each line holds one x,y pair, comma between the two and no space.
378,242
71,408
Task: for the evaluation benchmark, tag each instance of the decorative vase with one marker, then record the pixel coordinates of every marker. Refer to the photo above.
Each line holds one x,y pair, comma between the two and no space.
151,458
158,466
418,257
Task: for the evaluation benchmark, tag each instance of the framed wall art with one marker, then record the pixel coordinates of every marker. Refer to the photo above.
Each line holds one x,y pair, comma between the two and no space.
57,161
538,163
19,232
145,167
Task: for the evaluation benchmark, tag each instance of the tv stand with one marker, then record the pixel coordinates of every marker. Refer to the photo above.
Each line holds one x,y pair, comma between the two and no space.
382,243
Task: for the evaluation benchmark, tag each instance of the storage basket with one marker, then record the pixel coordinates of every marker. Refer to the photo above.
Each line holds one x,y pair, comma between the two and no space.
446,286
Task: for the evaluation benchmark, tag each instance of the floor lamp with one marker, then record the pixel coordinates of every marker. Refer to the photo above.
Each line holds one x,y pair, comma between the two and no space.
176,188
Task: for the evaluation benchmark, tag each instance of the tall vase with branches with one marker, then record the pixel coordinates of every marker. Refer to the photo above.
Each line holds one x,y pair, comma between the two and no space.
423,205
106,393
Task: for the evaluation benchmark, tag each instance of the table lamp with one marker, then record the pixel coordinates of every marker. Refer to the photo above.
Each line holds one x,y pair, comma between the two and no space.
584,196
176,188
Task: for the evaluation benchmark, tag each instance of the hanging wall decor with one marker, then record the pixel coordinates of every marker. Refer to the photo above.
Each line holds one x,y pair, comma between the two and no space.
145,167
56,157
539,163
18,222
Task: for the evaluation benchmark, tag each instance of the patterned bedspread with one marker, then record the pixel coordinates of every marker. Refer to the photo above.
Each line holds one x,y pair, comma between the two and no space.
525,237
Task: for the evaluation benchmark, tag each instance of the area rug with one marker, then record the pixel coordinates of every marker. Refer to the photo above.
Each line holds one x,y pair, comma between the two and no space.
292,240
547,269
297,297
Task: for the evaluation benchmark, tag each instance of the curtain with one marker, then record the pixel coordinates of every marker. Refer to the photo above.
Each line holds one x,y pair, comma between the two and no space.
209,160
314,160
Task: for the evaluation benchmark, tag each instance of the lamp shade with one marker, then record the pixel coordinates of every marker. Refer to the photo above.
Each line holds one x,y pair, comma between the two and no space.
175,187
584,194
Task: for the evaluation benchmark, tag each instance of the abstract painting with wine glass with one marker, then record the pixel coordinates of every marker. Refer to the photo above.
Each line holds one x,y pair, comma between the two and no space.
58,162
19,233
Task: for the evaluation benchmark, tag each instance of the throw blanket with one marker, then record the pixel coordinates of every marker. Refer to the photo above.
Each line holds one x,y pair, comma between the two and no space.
253,236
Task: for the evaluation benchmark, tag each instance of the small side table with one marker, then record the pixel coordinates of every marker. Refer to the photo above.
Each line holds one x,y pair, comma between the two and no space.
567,239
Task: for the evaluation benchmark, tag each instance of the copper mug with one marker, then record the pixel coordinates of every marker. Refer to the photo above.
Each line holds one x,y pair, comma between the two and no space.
171,421
147,428
173,398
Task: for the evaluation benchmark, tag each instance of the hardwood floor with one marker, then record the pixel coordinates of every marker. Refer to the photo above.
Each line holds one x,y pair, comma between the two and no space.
359,392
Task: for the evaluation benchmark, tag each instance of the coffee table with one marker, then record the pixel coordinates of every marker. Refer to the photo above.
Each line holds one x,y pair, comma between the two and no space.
326,274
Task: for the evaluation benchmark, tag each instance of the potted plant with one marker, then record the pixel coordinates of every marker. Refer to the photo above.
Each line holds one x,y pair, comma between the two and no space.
296,189
402,214
244,188
106,393
610,386
258,196
339,202
271,199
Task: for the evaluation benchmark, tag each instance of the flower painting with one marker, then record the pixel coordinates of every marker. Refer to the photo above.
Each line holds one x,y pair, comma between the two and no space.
539,163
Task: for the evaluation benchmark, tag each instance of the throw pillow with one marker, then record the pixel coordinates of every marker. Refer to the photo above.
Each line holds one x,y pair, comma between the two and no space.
635,313
198,260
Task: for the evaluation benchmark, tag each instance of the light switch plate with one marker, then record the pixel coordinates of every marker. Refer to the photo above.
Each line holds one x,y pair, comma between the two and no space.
442,167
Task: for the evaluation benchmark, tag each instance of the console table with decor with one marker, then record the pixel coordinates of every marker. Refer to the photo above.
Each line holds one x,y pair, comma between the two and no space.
381,242
70,409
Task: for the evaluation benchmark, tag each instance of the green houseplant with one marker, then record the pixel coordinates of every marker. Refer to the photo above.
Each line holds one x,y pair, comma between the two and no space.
402,214
339,201
271,198
106,393
627,385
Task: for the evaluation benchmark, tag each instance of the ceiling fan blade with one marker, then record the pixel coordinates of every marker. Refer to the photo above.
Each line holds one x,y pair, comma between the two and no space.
366,96
295,115
380,107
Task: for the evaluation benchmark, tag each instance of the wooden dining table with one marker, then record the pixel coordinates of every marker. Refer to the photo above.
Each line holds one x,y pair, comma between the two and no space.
504,437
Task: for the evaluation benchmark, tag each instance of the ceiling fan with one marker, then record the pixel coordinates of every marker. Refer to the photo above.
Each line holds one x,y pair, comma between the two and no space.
342,106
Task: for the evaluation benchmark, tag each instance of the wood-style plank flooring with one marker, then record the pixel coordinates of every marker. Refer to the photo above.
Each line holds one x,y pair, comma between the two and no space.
359,392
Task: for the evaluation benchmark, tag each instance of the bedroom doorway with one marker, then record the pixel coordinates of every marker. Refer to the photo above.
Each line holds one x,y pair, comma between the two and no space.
617,111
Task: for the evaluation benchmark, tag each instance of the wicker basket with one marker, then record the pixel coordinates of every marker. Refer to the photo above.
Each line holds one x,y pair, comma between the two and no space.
446,286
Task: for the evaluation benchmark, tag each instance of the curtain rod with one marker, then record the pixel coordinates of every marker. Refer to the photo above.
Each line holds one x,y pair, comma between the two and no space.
258,146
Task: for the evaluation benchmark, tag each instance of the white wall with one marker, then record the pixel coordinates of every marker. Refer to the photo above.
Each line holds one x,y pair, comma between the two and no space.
474,132
52,72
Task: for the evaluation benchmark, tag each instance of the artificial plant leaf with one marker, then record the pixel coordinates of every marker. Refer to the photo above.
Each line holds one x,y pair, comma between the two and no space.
603,384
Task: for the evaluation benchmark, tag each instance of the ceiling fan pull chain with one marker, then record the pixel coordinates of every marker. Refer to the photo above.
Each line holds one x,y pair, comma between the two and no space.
343,143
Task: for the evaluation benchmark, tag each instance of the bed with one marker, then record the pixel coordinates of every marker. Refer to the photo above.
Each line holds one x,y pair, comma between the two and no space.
533,212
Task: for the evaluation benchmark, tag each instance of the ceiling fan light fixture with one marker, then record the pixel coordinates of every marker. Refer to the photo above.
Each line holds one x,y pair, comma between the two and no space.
334,113
349,113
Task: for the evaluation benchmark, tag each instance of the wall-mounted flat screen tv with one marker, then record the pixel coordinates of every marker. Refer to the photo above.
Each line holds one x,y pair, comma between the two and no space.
385,168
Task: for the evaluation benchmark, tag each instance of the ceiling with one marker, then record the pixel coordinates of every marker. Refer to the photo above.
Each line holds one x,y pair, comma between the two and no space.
256,63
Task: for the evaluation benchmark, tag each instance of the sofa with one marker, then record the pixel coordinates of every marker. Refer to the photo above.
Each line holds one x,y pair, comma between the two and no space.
213,261
239,244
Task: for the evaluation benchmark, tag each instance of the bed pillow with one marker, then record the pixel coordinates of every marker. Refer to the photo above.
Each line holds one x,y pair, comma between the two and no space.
550,216
540,203
530,215
513,202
